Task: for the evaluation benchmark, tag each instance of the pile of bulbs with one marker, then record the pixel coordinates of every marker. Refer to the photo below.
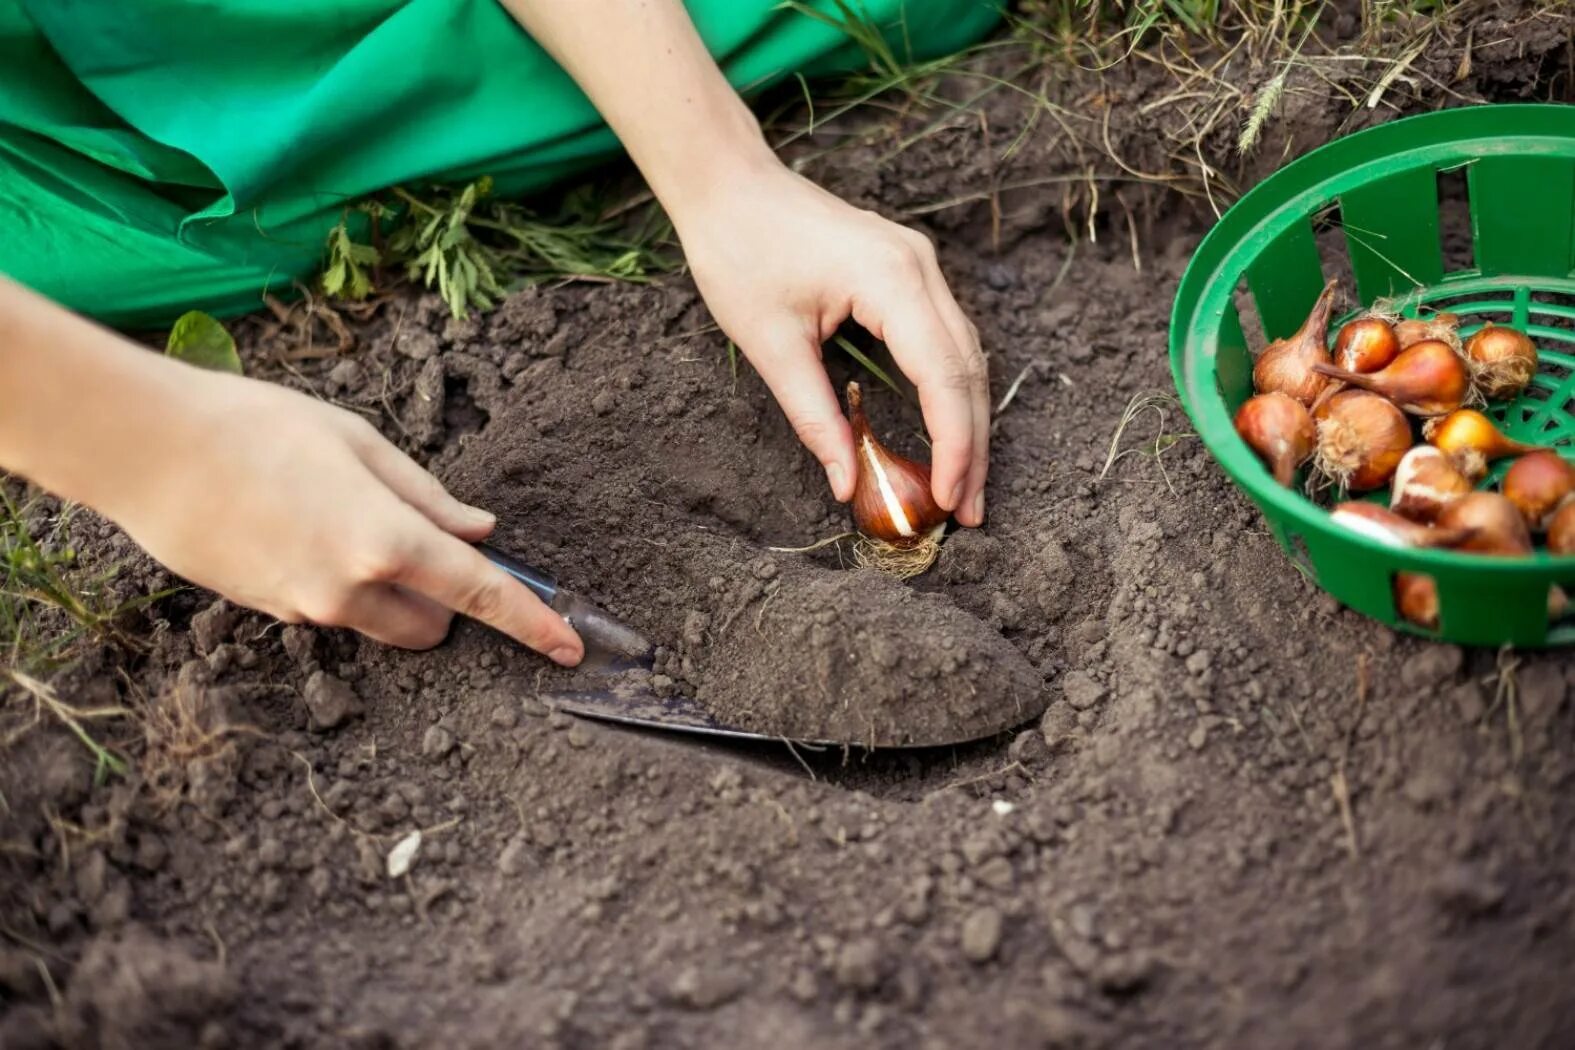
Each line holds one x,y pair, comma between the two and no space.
1349,413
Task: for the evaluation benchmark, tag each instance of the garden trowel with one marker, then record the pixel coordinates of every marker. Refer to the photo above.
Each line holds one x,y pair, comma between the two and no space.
624,695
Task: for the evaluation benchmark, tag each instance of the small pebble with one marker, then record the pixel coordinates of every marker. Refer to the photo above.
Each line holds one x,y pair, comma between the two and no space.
981,935
330,701
437,742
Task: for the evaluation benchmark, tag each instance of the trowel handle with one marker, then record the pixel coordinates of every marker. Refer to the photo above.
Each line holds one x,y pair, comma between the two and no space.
543,584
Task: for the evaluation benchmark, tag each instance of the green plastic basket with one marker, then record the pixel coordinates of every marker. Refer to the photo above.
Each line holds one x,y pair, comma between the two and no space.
1519,162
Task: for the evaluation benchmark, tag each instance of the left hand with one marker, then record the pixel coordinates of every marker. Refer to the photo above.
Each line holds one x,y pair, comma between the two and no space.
781,263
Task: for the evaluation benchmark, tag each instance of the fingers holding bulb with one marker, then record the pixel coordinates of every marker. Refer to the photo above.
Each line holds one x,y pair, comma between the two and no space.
927,352
788,359
970,509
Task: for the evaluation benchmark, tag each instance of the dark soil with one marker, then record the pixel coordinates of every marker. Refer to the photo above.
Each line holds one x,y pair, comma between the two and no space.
1247,817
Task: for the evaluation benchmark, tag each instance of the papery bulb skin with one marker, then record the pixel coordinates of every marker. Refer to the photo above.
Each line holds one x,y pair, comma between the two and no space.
1496,526
1280,430
1470,439
1416,599
1504,360
1425,379
1443,327
1424,482
1365,345
1392,530
1288,365
1561,530
1538,484
891,495
1361,440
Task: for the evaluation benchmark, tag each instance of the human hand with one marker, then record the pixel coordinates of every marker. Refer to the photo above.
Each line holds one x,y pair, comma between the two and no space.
781,263
303,510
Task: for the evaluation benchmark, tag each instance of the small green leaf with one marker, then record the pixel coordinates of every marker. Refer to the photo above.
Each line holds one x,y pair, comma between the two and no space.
864,359
200,340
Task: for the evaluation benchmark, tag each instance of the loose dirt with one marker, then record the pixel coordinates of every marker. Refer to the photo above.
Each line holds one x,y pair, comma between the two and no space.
1246,817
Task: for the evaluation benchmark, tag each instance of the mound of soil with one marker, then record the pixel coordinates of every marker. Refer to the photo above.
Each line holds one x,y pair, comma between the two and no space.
1245,818
668,522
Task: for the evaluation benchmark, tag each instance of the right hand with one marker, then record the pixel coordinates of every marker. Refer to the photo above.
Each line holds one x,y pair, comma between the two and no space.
285,504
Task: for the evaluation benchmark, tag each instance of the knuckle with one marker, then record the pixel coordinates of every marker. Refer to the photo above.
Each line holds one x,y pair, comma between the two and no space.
811,430
922,245
484,600
327,608
901,262
382,560
955,375
978,369
360,432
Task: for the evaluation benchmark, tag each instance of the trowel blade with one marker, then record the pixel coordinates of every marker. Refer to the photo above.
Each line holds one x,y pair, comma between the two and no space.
644,709
631,703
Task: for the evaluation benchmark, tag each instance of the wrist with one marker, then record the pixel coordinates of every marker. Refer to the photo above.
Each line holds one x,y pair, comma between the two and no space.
109,442
723,151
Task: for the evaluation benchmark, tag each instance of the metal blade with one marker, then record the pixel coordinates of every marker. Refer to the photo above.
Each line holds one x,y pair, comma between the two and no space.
610,645
632,703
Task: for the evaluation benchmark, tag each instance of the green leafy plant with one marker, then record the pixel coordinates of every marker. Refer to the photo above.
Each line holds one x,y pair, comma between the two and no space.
200,340
441,250
346,275
472,247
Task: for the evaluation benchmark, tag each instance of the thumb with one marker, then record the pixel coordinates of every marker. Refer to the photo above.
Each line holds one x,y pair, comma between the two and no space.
788,359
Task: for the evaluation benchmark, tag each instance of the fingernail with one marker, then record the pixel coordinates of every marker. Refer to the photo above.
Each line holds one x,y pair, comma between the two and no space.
479,516
566,655
978,507
836,475
957,495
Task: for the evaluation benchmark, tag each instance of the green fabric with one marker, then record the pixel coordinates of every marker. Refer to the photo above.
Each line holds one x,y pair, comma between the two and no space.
161,155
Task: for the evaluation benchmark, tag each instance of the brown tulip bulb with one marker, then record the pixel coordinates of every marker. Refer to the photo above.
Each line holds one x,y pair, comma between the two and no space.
1365,345
1288,365
1470,439
1443,327
1504,359
891,495
1392,530
1425,379
1496,526
1561,530
1538,484
1416,599
1425,480
1279,429
1361,440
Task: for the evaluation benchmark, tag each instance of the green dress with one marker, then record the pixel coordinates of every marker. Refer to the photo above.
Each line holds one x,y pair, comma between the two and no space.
162,155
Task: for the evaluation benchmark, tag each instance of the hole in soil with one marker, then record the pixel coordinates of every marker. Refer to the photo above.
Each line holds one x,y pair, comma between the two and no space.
1454,222
461,414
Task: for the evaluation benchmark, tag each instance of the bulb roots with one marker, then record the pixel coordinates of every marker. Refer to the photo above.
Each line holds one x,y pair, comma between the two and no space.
903,562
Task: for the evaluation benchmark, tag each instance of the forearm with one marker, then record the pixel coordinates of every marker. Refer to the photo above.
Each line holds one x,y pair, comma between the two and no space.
646,69
79,407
